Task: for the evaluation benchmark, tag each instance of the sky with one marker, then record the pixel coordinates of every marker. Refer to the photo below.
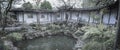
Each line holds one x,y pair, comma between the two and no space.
54,3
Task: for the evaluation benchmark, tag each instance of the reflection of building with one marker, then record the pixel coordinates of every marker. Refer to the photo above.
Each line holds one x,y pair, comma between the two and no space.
69,14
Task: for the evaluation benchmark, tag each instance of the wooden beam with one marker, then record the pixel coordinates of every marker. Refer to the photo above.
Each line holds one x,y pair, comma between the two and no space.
78,16
38,19
88,18
51,17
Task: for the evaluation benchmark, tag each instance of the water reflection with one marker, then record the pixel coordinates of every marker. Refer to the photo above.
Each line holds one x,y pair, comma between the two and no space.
49,43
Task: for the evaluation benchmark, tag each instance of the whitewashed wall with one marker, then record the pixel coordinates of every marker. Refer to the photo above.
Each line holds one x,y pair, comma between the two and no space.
20,17
26,18
72,17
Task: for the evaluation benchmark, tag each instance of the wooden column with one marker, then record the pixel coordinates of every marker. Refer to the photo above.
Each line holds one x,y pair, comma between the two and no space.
77,17
117,44
51,17
88,18
70,13
109,16
62,15
23,17
81,16
38,19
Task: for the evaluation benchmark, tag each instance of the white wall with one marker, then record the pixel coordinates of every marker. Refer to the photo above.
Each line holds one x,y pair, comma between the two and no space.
26,19
52,17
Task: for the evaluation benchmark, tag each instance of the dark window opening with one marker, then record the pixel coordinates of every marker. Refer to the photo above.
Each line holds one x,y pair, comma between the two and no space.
42,16
30,16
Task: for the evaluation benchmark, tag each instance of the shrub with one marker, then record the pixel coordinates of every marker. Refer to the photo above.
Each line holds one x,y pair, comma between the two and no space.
93,45
91,33
109,44
15,36
98,39
101,27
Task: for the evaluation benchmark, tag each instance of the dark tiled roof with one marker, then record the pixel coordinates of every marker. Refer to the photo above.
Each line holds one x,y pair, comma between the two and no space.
31,10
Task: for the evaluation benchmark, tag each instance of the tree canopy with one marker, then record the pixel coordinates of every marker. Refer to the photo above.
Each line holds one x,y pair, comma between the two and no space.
96,3
27,5
46,5
37,4
70,3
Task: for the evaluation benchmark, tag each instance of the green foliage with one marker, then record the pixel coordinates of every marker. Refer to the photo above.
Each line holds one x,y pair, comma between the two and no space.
104,11
46,5
95,16
96,3
54,28
57,28
93,46
27,5
98,38
101,27
88,3
91,34
15,36
109,44
6,47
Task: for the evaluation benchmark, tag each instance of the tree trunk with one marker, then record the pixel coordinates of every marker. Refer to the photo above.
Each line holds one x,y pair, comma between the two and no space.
78,17
61,15
5,14
101,20
117,44
38,22
81,17
4,23
93,19
51,17
70,16
66,17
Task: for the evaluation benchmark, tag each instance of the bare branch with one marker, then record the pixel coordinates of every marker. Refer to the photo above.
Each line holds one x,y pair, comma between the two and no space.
64,2
24,0
74,3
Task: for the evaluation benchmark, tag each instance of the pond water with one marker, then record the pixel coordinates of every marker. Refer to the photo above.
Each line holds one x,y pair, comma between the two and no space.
49,43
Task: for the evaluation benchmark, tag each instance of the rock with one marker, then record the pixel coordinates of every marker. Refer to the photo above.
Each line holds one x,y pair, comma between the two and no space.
79,44
8,45
79,49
